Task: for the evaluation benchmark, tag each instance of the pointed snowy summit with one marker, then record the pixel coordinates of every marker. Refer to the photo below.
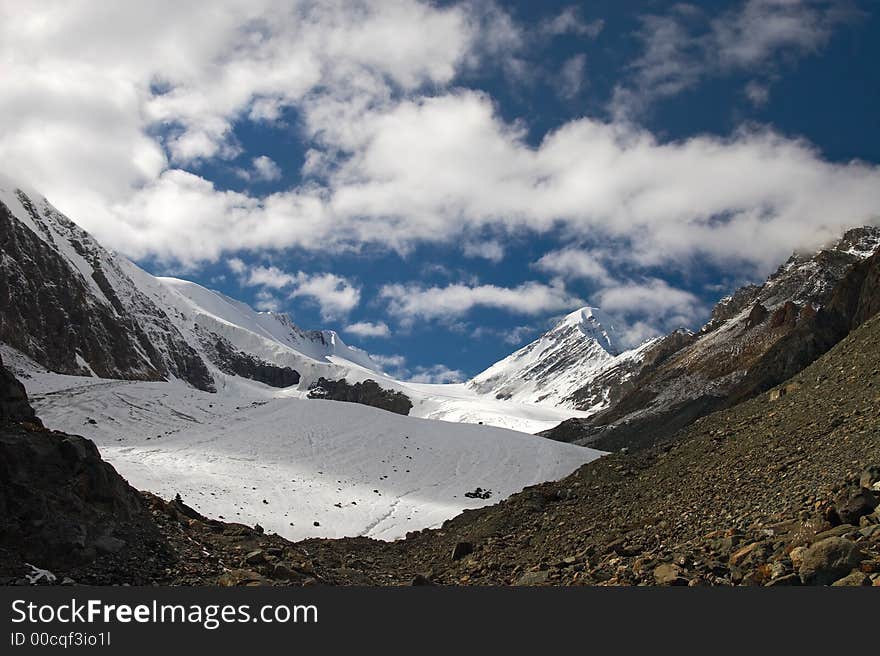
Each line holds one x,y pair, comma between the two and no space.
592,323
548,369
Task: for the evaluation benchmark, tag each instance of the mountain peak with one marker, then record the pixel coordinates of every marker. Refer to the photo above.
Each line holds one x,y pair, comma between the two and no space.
592,323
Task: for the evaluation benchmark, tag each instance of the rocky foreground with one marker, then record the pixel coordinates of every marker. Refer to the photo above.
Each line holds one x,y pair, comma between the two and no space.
780,490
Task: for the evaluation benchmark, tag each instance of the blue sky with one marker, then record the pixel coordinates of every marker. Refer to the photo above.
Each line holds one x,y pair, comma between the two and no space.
437,182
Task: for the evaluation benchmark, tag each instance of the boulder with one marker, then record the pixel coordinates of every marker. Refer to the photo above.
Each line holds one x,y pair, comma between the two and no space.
870,476
853,579
669,574
853,506
828,560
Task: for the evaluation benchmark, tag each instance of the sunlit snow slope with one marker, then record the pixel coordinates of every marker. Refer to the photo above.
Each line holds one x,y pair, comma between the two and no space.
286,463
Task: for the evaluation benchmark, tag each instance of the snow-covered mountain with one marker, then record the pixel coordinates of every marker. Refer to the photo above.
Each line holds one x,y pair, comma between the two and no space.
188,391
581,347
77,308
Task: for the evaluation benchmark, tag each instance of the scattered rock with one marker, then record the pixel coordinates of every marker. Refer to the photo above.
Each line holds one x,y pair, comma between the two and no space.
241,577
255,557
107,544
870,476
856,505
420,579
533,578
852,579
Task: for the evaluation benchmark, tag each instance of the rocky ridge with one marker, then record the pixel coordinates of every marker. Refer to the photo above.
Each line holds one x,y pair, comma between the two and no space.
756,339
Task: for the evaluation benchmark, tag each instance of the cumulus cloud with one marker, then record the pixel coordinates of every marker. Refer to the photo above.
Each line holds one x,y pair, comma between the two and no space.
166,81
369,329
572,77
570,21
414,301
392,364
649,308
396,365
574,263
268,276
393,361
399,154
335,295
758,93
263,169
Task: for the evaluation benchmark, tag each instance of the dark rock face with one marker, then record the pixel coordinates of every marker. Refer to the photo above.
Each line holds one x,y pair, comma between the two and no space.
232,361
14,406
51,313
367,393
743,351
60,503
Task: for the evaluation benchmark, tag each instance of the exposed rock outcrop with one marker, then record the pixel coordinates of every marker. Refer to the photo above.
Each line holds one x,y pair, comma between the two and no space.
232,361
368,393
14,406
72,320
61,505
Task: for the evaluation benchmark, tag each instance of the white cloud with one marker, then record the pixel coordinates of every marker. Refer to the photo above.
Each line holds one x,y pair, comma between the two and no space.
758,93
393,364
389,167
410,302
369,329
335,295
263,169
490,250
266,301
236,265
649,308
269,276
437,373
86,86
574,263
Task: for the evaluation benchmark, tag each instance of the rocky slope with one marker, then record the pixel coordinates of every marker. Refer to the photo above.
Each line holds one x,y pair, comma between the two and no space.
755,339
367,392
